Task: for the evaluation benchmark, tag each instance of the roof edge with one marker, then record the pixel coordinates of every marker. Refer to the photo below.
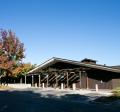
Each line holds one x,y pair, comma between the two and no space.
76,62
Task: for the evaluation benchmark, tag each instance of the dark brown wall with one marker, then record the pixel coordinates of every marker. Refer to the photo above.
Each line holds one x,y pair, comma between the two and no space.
115,83
93,82
101,84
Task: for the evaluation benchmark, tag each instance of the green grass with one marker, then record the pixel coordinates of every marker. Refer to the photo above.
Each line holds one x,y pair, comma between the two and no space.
116,92
114,97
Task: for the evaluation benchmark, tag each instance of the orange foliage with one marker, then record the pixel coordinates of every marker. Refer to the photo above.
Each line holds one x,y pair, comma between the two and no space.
22,69
5,63
11,52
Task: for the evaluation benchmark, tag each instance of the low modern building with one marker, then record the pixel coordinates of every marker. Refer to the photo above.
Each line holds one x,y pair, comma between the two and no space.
85,74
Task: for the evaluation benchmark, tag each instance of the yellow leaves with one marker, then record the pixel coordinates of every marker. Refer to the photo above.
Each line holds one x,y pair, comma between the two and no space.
22,69
17,70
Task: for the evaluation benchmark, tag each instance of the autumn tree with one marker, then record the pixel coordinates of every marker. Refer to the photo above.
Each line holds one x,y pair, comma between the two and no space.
11,46
11,51
22,69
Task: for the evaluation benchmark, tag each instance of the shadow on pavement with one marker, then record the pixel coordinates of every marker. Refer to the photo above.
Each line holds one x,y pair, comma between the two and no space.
28,101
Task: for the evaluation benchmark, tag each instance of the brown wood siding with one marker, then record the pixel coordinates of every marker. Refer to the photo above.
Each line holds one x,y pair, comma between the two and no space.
93,82
84,82
115,83
101,84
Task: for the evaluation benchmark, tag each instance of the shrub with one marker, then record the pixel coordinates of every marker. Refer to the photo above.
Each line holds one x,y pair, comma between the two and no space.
116,91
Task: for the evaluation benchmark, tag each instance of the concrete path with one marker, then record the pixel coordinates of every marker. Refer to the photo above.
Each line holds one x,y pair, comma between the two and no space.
39,100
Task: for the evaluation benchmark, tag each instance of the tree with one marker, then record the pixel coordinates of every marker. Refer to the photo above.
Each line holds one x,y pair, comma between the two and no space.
22,69
11,51
11,46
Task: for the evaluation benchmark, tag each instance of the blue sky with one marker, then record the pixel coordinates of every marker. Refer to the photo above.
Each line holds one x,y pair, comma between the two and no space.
72,29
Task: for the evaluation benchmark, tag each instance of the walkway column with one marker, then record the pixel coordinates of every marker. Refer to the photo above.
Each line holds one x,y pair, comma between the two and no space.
43,85
39,80
0,76
25,79
67,80
74,86
21,80
62,86
0,81
56,80
87,80
96,87
80,79
47,80
32,80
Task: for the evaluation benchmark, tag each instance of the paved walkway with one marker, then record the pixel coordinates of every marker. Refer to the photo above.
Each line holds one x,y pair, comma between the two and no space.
50,100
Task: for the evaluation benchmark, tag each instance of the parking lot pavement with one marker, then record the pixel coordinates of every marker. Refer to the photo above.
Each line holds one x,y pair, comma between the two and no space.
39,100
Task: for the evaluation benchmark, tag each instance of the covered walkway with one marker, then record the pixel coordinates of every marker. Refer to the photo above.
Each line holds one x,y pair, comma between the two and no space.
63,73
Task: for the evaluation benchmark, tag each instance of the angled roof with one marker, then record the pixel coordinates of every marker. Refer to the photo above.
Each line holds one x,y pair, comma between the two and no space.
72,62
116,67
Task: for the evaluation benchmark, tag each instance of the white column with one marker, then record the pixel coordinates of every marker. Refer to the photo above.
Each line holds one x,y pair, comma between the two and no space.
74,86
36,85
62,86
43,85
96,87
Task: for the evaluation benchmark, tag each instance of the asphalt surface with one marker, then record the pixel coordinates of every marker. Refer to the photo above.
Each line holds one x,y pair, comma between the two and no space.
39,101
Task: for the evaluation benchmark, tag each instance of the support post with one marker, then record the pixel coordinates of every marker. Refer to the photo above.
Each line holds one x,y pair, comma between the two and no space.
21,80
47,80
62,86
67,80
87,81
25,79
56,80
32,80
74,86
39,80
43,86
96,87
80,79
0,81
0,76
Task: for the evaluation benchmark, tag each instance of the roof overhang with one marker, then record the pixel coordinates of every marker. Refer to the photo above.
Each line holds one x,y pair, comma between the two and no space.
54,60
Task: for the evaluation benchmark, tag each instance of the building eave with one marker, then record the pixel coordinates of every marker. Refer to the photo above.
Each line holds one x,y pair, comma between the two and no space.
54,59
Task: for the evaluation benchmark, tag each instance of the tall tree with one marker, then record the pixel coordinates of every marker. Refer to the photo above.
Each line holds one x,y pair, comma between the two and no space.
11,50
22,69
11,46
